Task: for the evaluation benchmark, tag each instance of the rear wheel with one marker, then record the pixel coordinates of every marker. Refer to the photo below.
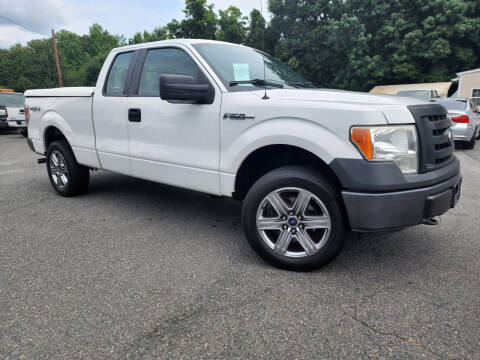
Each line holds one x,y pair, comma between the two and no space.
23,132
471,144
67,177
293,219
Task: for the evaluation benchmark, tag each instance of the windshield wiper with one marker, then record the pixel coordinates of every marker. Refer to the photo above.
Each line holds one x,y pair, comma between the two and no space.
257,82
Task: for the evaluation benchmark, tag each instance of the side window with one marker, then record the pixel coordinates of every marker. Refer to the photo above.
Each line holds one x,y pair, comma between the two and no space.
118,75
164,61
476,98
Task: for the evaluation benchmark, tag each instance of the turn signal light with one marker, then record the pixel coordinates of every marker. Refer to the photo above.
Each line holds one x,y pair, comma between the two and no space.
463,119
363,139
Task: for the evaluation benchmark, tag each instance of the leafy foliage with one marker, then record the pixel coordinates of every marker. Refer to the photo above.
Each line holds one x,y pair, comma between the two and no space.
347,44
232,25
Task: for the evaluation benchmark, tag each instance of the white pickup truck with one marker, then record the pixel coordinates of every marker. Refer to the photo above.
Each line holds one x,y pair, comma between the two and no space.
309,164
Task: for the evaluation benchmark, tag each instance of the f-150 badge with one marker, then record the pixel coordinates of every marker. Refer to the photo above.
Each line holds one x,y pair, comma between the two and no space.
238,116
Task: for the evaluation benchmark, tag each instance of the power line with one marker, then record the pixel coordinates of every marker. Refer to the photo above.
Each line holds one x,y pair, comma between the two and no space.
23,26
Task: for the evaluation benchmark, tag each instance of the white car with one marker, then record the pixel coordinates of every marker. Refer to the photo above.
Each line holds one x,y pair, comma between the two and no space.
309,164
3,117
14,104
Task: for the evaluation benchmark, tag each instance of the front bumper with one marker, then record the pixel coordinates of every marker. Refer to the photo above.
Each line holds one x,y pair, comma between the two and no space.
378,212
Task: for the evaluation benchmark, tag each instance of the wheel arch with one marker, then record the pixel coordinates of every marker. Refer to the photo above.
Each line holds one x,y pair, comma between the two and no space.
53,133
271,157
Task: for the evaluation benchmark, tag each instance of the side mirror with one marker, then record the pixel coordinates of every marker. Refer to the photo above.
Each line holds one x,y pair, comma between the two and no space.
186,88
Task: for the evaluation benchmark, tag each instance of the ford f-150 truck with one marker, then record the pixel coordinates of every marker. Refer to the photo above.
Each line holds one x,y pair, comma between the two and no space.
309,164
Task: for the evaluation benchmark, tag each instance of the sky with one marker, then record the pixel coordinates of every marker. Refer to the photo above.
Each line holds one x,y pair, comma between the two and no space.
117,16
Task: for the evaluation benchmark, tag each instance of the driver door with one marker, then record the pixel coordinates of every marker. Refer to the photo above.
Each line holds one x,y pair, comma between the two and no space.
172,142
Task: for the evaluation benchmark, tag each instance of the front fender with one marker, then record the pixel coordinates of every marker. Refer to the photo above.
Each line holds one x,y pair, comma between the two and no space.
301,133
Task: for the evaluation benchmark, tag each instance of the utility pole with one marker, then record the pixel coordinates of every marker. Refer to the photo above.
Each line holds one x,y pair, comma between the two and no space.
57,62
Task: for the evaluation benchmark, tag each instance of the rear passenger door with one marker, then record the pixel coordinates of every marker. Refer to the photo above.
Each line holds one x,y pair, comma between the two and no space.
110,114
173,142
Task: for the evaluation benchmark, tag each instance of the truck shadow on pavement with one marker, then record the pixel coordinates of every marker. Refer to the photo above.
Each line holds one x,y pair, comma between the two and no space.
147,202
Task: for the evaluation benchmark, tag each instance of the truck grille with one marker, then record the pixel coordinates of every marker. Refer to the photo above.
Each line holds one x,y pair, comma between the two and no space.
433,127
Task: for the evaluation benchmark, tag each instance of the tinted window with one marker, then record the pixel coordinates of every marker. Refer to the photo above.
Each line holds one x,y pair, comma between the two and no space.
454,105
164,61
476,93
12,100
419,94
118,74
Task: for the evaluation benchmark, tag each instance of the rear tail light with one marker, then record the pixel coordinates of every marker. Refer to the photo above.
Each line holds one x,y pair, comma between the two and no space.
463,119
6,113
27,114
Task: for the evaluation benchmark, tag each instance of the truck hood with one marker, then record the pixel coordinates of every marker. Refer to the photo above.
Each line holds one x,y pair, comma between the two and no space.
327,95
394,108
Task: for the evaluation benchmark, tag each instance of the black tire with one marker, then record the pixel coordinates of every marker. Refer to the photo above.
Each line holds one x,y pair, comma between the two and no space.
23,132
78,175
471,144
318,185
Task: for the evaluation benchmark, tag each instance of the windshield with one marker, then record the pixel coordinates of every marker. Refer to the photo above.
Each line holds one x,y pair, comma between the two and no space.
419,94
454,104
240,64
12,100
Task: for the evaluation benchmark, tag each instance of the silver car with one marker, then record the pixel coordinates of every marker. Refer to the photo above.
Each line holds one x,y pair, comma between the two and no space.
465,117
423,94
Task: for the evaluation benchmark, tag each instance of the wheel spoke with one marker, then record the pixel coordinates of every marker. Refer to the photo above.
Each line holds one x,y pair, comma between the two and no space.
269,224
64,179
55,159
278,204
317,222
306,242
302,201
283,242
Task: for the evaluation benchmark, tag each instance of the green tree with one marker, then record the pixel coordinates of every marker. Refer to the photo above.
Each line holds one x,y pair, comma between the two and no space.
159,33
200,21
232,25
355,44
256,30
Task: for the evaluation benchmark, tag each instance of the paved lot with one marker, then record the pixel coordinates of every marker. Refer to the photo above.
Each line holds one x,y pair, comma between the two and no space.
136,270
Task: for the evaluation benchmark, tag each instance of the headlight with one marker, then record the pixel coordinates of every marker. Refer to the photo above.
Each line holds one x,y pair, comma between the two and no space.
388,143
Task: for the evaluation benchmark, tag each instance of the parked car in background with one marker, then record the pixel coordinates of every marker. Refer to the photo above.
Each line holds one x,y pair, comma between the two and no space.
14,104
3,117
465,117
423,94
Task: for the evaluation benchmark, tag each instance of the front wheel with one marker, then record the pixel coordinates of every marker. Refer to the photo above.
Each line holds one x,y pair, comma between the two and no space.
67,177
293,219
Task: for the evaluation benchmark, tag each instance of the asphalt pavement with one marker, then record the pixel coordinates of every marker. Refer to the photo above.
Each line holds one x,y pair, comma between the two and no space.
138,270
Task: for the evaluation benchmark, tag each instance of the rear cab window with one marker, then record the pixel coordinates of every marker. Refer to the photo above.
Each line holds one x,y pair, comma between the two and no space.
14,100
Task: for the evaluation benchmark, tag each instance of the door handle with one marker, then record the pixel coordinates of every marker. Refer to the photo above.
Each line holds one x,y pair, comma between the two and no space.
134,115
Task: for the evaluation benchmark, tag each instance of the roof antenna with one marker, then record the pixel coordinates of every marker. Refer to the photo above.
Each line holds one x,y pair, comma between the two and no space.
265,97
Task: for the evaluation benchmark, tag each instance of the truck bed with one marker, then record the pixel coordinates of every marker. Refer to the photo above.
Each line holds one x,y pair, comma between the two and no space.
70,107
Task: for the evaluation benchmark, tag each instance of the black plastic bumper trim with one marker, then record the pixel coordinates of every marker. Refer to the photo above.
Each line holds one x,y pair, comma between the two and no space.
378,212
364,176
